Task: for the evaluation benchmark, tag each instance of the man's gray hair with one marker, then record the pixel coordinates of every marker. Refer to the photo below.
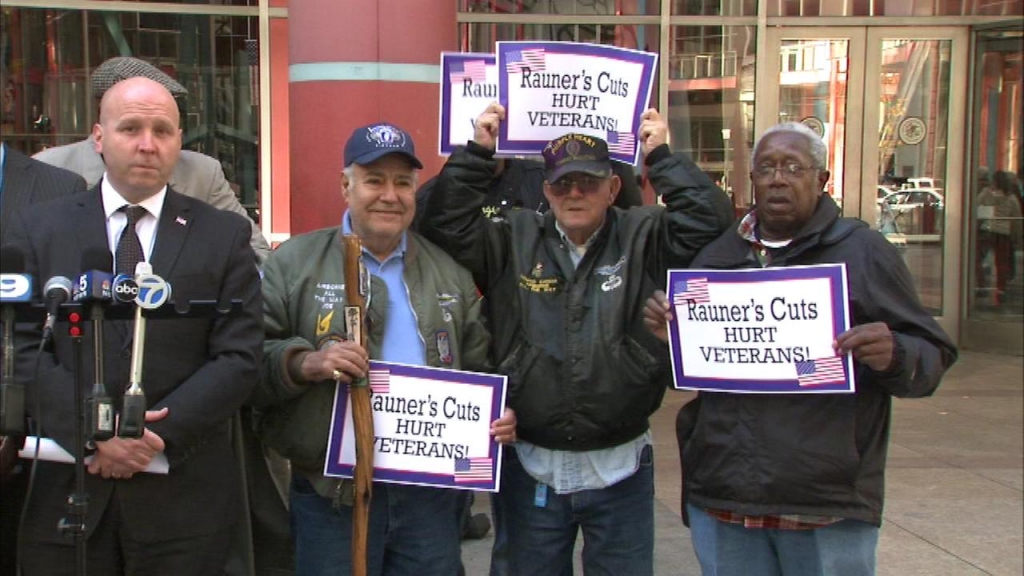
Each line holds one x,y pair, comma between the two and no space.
819,152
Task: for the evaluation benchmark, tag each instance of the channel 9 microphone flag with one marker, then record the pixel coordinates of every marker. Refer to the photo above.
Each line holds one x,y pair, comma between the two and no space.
15,290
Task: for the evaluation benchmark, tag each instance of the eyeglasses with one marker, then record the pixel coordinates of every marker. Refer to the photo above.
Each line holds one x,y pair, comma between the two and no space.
586,185
790,170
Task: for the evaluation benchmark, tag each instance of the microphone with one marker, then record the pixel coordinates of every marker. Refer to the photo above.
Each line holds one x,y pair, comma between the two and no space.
153,291
56,291
15,286
94,290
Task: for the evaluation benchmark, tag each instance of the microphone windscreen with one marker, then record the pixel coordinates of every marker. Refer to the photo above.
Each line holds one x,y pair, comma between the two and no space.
97,258
58,288
12,261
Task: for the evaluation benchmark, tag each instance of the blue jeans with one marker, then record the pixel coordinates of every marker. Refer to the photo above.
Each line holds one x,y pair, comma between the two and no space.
846,548
414,530
499,550
617,524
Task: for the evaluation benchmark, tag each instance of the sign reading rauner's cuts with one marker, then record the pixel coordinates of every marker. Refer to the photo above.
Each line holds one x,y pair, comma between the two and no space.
549,89
765,330
431,427
469,82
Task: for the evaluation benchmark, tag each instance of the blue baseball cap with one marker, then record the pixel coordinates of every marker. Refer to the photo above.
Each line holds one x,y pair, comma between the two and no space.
371,142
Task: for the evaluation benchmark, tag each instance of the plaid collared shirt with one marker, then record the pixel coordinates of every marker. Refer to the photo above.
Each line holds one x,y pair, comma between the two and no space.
777,522
762,250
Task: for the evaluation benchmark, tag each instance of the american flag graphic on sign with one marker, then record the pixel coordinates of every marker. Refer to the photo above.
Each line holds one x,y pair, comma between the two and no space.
695,289
380,381
820,371
472,470
621,143
475,70
518,60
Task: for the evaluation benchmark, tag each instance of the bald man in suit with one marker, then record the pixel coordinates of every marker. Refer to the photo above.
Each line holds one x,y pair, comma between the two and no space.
200,176
197,373
196,175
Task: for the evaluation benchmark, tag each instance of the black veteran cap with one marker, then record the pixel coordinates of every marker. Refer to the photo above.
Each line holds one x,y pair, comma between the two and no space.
371,142
576,153
120,68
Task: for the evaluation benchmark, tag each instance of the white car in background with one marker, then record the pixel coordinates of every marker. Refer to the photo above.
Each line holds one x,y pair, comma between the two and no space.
882,192
917,210
902,201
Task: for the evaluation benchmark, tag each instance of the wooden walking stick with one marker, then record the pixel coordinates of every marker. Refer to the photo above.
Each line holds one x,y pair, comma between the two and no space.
357,287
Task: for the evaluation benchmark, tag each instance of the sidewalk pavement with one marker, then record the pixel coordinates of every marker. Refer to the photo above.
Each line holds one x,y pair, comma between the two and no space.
954,481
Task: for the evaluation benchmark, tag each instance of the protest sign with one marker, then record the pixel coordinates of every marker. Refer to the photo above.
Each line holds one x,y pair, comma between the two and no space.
550,89
469,82
431,427
764,330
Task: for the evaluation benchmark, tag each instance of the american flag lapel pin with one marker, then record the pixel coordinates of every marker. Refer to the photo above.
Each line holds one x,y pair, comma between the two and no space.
181,221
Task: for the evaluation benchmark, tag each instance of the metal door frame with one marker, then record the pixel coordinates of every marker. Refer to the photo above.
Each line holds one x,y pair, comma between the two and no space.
862,130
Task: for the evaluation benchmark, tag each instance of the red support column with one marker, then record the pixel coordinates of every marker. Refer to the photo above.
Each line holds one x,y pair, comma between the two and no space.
352,63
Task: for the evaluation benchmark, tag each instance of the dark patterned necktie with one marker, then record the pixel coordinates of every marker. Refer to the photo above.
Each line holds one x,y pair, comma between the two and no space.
129,249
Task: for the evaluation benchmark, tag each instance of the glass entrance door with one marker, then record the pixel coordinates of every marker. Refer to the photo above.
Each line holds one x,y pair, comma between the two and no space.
995,254
881,98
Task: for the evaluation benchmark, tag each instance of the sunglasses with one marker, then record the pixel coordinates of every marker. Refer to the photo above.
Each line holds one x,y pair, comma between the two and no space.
585,184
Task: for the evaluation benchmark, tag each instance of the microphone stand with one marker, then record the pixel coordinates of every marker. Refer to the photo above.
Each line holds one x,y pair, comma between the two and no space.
12,417
78,501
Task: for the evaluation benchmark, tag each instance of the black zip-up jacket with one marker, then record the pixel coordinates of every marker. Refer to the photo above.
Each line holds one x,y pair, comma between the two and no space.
817,454
584,373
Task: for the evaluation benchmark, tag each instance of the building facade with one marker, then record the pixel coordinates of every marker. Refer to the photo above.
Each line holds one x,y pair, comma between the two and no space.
919,102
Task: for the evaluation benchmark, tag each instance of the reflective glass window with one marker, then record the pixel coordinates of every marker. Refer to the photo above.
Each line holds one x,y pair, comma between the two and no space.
711,102
996,254
47,56
480,37
714,7
574,7
895,7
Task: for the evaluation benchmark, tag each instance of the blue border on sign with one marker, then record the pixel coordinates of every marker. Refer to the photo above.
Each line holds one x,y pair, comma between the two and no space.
535,147
496,383
834,273
447,59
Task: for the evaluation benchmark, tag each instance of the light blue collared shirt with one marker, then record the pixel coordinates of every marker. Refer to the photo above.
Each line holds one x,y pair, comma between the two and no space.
402,340
569,472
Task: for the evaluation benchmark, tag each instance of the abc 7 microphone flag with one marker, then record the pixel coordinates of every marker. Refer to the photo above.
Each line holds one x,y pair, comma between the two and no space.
146,290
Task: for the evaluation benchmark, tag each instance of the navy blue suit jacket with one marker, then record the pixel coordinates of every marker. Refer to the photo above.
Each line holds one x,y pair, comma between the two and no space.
201,369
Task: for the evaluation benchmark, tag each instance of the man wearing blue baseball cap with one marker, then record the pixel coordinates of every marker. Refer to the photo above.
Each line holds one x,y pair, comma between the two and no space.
424,310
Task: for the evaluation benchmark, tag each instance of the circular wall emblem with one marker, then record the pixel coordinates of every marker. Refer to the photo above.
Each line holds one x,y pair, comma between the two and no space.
814,124
912,130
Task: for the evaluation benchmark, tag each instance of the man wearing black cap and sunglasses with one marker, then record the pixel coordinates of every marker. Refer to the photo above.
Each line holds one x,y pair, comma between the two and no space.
566,291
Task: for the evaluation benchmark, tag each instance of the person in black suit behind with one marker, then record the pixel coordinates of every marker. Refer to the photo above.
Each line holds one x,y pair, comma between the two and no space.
26,181
197,371
23,182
